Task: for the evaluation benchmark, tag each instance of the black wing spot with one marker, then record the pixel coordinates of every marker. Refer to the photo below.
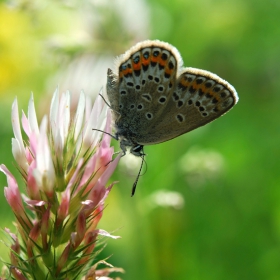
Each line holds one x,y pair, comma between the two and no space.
162,100
171,65
192,89
136,59
182,87
180,103
166,75
164,56
180,118
216,89
175,96
155,53
145,67
223,94
200,92
146,55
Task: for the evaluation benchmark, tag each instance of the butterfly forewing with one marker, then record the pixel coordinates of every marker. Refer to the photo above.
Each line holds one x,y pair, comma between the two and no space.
147,77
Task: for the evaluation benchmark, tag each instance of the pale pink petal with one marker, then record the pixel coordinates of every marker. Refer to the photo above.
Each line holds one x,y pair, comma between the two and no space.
44,172
11,192
17,142
79,118
19,154
25,124
33,143
32,117
32,188
16,124
88,107
54,111
63,119
109,171
102,181
13,197
97,119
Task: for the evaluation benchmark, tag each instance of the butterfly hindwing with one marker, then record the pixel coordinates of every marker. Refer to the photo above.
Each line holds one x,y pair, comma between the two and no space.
199,98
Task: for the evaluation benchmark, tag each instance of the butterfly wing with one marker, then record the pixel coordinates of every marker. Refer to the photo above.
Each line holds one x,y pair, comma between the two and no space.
153,103
199,98
141,89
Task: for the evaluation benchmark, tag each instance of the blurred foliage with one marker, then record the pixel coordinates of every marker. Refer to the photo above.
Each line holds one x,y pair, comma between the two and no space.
208,205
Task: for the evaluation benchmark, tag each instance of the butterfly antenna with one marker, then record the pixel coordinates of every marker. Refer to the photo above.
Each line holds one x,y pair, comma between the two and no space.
106,102
137,178
113,136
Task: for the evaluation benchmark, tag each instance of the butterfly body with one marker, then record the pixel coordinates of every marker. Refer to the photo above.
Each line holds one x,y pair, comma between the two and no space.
154,99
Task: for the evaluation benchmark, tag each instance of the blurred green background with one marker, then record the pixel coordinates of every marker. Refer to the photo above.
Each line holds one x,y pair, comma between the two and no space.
208,206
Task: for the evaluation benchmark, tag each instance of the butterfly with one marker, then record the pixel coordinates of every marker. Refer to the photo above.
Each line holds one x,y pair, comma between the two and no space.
155,99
